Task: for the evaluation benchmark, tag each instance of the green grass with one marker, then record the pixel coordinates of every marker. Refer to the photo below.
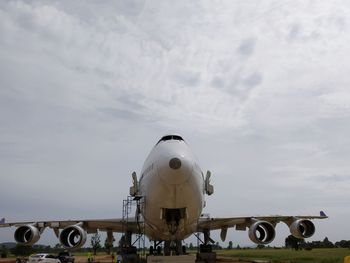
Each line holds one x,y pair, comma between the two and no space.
334,255
325,255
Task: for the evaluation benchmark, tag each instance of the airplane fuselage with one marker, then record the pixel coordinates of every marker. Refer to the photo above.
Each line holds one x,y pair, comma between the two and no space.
173,186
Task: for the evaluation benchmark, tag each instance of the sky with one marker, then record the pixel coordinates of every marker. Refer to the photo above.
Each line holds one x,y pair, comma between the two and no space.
258,89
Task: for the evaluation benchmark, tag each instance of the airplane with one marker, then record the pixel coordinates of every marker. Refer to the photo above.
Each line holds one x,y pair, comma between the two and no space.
172,187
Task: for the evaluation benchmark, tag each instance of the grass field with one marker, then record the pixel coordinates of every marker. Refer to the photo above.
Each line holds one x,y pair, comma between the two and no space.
333,255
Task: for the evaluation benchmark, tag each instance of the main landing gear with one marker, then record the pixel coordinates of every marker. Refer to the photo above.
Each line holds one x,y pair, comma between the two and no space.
171,248
205,252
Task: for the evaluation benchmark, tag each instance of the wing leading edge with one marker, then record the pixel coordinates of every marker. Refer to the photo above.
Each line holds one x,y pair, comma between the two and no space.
300,226
229,222
92,225
71,233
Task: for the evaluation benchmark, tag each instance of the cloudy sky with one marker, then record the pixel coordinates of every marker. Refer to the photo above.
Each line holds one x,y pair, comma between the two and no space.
258,89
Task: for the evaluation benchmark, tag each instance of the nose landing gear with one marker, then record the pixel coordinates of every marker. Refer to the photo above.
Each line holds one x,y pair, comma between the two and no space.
171,248
156,250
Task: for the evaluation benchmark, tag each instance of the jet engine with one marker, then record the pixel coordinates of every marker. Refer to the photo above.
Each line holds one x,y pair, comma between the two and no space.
73,236
262,232
27,235
302,228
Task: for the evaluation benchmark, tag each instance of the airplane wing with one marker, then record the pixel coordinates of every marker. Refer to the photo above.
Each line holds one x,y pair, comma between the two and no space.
219,223
72,233
114,225
299,225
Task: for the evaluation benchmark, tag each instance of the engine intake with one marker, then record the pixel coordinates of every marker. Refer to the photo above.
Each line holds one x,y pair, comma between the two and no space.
73,237
262,232
302,228
27,235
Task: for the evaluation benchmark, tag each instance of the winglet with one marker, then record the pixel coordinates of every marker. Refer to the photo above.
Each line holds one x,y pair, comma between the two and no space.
323,214
2,221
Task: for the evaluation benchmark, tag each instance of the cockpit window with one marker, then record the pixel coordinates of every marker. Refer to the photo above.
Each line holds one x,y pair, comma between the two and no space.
170,137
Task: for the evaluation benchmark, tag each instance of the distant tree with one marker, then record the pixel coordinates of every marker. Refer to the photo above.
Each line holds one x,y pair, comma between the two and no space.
260,246
22,250
3,251
191,246
108,245
41,248
58,246
293,242
327,243
307,246
96,243
238,247
343,244
217,246
230,245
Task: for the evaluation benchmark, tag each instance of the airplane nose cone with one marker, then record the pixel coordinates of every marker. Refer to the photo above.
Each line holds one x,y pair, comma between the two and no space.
175,163
175,170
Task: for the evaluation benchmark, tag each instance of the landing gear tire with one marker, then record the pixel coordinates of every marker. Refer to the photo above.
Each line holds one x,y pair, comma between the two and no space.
167,248
205,248
174,248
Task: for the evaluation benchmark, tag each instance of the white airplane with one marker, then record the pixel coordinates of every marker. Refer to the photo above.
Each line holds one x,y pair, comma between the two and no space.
172,187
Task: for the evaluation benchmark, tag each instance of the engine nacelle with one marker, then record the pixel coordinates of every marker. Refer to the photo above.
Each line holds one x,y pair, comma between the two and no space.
302,228
73,237
27,235
262,232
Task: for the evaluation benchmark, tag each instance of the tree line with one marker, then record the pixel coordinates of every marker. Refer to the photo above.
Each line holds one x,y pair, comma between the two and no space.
296,243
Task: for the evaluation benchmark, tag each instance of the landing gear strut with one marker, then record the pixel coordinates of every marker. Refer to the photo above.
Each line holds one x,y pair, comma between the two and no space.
128,251
205,252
